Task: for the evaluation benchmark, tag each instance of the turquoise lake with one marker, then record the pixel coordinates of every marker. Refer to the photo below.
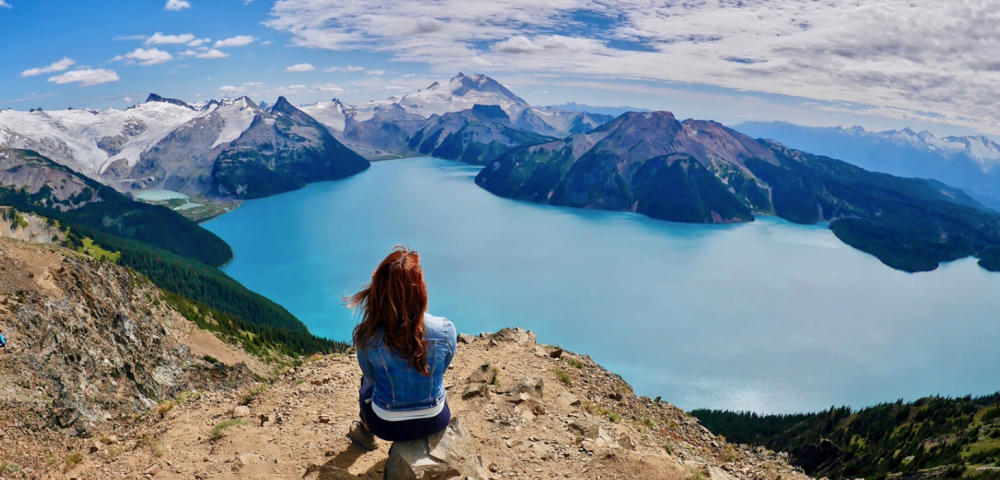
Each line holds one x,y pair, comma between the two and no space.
766,316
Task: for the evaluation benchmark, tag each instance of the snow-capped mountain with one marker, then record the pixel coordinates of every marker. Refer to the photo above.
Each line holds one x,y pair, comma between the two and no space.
167,143
93,142
459,94
970,162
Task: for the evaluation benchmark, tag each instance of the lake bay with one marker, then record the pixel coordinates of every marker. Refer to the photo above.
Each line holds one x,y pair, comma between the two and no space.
766,316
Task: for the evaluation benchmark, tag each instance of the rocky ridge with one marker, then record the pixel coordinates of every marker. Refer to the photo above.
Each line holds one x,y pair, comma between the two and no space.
521,410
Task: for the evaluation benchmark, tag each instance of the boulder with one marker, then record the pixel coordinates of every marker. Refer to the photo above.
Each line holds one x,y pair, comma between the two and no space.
465,338
444,455
516,335
556,353
241,411
588,430
529,389
484,374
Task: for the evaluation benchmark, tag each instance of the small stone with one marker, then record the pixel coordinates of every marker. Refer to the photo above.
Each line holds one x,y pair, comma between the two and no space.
475,390
556,353
317,381
96,447
465,338
324,419
241,411
566,400
113,440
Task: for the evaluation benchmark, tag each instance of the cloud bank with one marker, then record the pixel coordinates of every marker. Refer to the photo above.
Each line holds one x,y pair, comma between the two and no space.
923,59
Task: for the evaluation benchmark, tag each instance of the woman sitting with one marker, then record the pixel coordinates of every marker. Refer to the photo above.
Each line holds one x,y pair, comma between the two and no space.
403,353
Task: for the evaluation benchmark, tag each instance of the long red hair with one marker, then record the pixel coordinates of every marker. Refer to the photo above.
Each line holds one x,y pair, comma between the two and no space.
394,304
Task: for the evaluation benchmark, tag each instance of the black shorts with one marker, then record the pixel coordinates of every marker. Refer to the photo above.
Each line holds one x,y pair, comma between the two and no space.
403,431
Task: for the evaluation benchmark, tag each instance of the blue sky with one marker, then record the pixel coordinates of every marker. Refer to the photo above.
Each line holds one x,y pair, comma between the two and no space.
889,64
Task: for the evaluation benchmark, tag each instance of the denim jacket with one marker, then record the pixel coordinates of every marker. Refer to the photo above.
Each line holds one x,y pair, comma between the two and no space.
400,388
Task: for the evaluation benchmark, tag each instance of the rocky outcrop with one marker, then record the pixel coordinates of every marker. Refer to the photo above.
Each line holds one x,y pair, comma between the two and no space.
89,342
28,226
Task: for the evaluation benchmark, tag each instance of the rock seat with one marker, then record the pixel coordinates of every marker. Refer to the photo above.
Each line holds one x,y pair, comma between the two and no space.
446,455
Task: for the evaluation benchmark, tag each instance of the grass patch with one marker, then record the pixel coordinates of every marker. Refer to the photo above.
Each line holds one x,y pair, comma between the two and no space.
691,473
496,377
97,252
165,407
72,460
299,381
185,397
614,417
219,430
730,454
249,397
562,376
210,359
9,467
575,363
155,445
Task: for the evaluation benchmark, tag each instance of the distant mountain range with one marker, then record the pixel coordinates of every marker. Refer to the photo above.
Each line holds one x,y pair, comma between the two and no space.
645,162
237,149
971,163
613,111
702,172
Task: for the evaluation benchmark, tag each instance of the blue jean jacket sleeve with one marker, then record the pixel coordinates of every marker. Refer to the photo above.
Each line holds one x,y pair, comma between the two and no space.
367,370
452,344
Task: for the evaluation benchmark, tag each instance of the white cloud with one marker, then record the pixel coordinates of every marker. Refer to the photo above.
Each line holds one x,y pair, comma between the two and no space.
375,72
129,38
177,5
213,53
161,39
329,88
127,99
187,53
265,43
237,41
4,4
198,42
240,90
349,68
554,44
87,77
300,67
152,56
926,57
59,66
289,90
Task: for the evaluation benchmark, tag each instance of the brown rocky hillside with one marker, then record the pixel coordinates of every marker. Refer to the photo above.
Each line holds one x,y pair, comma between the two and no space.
102,381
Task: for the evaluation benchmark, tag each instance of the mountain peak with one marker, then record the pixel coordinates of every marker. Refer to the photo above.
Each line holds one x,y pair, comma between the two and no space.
154,98
283,106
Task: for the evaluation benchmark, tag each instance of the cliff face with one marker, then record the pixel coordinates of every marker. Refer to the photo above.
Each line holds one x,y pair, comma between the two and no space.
89,344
